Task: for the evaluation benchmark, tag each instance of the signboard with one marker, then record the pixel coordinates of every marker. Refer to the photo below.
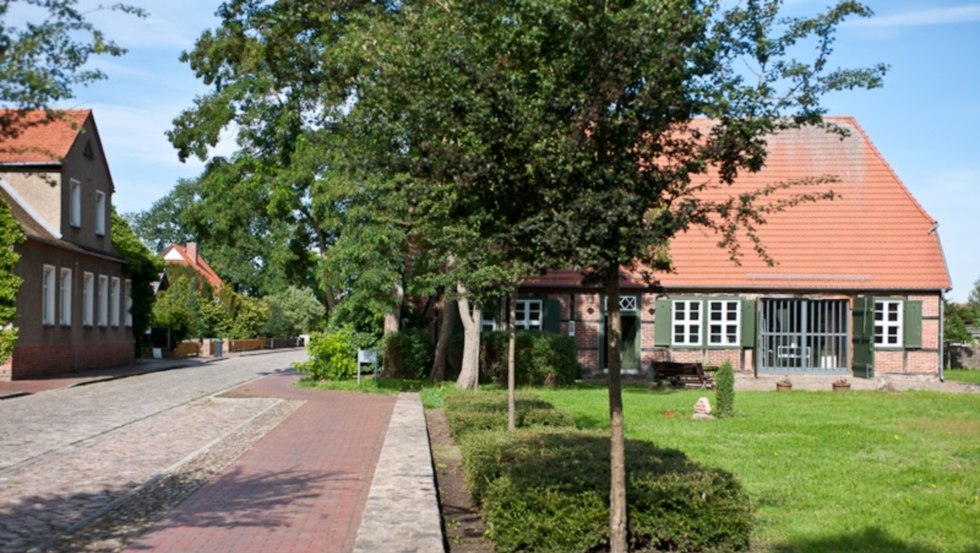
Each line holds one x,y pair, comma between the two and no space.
367,356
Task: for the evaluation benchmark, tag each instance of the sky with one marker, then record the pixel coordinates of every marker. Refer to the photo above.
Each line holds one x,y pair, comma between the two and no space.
925,121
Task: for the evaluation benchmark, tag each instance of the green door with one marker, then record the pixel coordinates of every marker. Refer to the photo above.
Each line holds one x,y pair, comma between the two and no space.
631,342
864,336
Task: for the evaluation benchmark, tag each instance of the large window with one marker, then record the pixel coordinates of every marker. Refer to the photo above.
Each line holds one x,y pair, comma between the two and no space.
723,322
528,314
47,295
103,300
114,302
100,213
888,323
64,316
88,299
74,203
687,322
129,302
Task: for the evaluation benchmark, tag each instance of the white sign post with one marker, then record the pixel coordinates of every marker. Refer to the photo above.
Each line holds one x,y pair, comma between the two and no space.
367,357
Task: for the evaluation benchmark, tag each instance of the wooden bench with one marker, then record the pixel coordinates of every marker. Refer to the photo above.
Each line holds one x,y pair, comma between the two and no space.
681,374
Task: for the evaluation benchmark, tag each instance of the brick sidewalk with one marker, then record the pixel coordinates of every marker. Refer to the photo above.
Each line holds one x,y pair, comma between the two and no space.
301,488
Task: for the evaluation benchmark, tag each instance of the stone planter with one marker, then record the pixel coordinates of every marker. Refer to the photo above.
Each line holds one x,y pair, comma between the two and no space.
841,387
784,386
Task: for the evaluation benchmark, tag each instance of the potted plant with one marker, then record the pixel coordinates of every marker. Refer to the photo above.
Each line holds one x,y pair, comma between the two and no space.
784,384
840,384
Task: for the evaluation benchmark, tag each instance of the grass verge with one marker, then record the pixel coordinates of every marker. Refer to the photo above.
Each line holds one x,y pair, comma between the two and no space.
971,376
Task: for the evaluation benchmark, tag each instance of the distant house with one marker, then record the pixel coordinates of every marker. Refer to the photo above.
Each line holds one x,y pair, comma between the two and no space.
73,305
856,289
189,257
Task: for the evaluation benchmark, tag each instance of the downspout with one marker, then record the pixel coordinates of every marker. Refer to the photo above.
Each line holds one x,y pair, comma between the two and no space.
942,333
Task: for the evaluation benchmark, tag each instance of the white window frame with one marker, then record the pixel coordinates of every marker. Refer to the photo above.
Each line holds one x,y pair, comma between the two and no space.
64,291
889,323
524,314
100,212
686,322
88,299
724,322
74,203
114,302
47,295
128,290
103,300
488,322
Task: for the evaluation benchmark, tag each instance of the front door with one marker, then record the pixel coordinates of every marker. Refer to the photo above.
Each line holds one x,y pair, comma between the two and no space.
630,350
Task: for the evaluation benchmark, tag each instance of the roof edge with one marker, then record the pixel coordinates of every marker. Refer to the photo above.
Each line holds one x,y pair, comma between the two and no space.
28,209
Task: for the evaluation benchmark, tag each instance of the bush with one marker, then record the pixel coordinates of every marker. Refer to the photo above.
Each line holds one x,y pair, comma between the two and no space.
408,354
548,489
725,390
333,355
541,358
468,412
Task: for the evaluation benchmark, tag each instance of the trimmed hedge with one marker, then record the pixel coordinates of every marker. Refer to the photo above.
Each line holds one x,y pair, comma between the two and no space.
408,354
541,358
548,490
467,412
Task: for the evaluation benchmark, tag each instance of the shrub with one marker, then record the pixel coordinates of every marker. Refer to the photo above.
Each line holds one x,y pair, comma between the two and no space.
468,412
540,358
408,354
333,355
725,390
548,489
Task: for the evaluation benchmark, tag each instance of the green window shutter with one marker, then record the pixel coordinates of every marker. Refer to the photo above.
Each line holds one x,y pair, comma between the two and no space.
661,324
864,336
552,316
748,323
912,324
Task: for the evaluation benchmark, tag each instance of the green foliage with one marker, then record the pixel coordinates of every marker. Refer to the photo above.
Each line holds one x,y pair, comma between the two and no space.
540,358
168,220
292,312
142,268
956,318
408,354
249,316
725,390
333,355
178,308
43,61
10,235
468,412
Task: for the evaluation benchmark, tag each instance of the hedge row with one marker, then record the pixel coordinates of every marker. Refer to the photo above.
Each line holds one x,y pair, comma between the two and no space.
467,412
540,358
547,488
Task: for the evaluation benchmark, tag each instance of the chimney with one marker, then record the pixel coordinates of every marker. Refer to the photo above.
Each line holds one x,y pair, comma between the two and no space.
192,251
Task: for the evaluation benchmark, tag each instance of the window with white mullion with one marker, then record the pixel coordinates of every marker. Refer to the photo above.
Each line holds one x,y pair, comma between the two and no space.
74,203
103,300
100,213
129,302
528,314
47,295
724,317
687,320
114,302
888,323
64,316
88,299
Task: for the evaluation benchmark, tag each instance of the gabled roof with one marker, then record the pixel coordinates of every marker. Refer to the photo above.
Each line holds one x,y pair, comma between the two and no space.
875,236
175,253
41,141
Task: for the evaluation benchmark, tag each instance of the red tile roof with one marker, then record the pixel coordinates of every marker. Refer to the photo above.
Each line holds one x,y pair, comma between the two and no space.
875,236
42,141
198,264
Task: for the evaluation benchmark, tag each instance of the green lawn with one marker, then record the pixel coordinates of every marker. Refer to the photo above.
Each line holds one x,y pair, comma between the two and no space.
963,375
862,471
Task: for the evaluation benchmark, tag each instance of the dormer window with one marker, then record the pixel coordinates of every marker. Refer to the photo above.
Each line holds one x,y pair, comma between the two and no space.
100,213
75,203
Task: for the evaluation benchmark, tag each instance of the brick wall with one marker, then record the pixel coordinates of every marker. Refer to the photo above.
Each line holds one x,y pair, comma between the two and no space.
35,361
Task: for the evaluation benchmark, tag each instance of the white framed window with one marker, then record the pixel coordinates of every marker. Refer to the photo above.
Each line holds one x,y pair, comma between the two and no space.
88,299
686,322
129,302
114,302
724,318
103,300
488,322
888,323
100,213
528,314
64,313
47,295
74,203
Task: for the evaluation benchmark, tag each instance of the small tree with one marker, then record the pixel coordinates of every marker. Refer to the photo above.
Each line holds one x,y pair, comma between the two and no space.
725,390
292,312
10,235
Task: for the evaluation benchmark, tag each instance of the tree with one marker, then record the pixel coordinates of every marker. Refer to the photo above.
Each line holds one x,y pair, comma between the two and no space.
10,235
143,268
292,312
168,221
43,61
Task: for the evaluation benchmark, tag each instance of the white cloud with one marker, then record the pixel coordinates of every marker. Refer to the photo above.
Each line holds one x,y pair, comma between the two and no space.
938,16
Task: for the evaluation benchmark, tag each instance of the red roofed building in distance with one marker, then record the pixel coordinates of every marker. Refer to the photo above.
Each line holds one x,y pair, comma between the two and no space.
856,288
189,256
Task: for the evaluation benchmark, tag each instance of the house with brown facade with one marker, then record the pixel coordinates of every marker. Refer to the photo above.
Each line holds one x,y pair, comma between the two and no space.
189,256
855,289
73,304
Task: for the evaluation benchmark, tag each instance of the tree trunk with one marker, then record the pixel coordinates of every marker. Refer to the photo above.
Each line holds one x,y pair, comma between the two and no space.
469,374
393,317
617,446
442,342
511,359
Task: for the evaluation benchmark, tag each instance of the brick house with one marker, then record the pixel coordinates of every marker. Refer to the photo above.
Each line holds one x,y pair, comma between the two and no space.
73,304
189,257
856,288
